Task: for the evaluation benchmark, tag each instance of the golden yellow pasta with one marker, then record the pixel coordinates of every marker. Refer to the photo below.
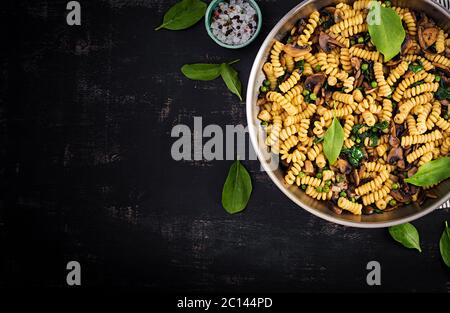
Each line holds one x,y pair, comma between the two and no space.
394,115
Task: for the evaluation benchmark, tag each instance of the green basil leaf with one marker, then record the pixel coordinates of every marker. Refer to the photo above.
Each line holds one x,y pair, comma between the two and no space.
333,141
431,173
237,189
444,245
183,15
231,78
201,71
407,235
386,30
415,68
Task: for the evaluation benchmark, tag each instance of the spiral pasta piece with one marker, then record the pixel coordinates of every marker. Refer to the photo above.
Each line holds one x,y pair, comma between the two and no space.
307,69
377,167
313,193
340,27
290,63
387,110
270,75
443,124
410,22
292,173
353,207
374,184
428,147
419,89
354,30
405,83
342,97
437,58
275,59
383,88
369,118
408,105
376,195
396,73
345,60
422,118
290,82
412,140
314,151
440,42
365,54
434,115
279,99
348,84
445,148
361,4
309,28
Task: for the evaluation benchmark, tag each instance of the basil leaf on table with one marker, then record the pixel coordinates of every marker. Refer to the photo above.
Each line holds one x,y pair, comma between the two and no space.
333,141
206,72
444,245
431,173
407,235
237,189
231,79
386,30
201,71
183,15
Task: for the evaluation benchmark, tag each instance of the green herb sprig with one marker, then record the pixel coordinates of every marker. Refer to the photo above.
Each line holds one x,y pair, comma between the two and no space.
388,34
237,189
207,72
431,173
183,15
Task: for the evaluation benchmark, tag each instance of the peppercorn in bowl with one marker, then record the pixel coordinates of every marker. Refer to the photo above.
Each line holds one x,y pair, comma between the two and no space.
233,24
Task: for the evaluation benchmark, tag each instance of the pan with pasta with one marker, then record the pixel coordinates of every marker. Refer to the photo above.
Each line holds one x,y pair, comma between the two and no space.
393,116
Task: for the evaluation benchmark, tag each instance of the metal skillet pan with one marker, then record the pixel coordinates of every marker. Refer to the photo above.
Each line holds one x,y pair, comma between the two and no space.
319,208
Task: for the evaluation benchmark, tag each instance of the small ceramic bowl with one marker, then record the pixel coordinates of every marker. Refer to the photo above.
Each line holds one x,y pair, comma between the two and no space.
209,12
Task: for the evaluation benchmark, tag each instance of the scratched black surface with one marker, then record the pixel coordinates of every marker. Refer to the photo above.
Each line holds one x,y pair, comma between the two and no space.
86,174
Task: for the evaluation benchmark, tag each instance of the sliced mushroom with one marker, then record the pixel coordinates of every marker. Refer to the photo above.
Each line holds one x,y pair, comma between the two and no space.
407,45
393,140
356,63
401,164
296,51
400,196
327,94
412,171
338,15
362,170
326,40
301,26
393,62
315,82
309,168
429,36
355,177
343,166
359,79
395,155
393,178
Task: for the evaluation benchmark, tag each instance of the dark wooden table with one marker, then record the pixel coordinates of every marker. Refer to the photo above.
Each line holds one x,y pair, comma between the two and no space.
86,114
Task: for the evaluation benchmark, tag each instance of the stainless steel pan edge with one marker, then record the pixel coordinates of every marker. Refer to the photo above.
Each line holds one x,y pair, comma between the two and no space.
402,215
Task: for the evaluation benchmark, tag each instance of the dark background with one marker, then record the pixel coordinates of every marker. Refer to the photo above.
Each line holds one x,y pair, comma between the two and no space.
86,114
